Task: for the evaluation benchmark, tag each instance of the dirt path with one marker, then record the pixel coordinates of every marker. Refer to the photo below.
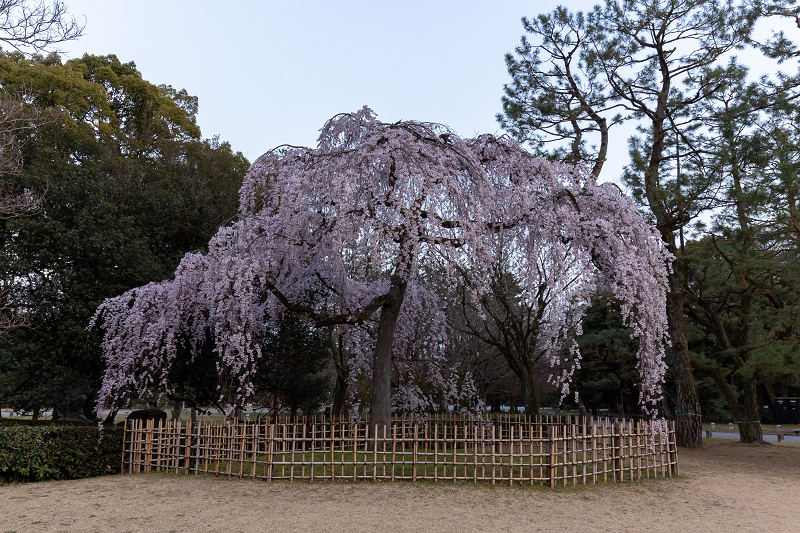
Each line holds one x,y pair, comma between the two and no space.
723,487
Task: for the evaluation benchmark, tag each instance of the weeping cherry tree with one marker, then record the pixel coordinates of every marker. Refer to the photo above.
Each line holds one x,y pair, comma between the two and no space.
338,232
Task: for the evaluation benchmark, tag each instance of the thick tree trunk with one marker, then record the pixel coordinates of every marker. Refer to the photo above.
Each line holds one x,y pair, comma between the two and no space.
688,420
496,405
339,396
770,394
530,394
111,418
747,418
750,428
727,390
381,401
177,409
342,376
582,408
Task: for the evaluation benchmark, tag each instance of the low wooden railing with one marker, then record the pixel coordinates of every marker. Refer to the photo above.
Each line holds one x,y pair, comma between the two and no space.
546,451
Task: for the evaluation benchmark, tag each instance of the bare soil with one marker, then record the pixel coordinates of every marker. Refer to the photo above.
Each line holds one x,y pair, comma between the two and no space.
723,487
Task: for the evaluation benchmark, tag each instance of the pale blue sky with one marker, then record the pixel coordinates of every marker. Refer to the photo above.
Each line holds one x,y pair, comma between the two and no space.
272,72
269,73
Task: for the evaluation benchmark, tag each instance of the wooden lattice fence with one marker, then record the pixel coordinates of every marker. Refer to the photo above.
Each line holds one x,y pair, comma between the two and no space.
546,451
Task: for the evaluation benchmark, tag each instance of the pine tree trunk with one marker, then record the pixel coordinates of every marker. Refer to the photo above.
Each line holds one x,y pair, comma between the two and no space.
688,420
750,429
380,413
747,418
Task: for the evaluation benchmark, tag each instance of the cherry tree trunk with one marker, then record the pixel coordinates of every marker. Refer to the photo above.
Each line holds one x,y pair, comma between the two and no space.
111,418
339,395
342,377
380,410
177,409
530,394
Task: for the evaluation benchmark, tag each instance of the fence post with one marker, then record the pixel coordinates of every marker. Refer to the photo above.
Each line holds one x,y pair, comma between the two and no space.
594,452
148,445
177,446
616,450
160,448
672,448
270,447
124,444
188,449
511,456
414,453
552,433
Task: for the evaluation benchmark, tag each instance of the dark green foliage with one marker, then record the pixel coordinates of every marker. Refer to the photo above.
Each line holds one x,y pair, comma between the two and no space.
289,371
608,378
194,380
37,453
129,187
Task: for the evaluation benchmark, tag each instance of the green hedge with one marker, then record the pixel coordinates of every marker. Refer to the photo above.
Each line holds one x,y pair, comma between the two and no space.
36,453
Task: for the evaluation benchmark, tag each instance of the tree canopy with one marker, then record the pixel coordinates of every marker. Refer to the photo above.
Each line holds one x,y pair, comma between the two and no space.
670,68
350,222
127,188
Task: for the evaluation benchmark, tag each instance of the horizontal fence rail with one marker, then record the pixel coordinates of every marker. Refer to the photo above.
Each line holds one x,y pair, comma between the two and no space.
536,451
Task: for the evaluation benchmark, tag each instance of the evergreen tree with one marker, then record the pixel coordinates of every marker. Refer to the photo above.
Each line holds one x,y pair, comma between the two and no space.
648,61
128,187
291,369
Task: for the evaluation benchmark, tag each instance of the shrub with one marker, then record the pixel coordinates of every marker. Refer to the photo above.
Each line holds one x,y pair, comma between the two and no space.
36,453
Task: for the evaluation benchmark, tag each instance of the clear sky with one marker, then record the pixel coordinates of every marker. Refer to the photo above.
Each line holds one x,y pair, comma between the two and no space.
272,72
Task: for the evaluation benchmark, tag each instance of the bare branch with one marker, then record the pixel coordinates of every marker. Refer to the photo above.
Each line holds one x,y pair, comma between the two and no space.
34,27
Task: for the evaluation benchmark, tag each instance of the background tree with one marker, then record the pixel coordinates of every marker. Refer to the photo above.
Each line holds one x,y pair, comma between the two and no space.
557,101
607,378
742,282
36,26
290,370
26,27
517,323
496,382
128,187
653,59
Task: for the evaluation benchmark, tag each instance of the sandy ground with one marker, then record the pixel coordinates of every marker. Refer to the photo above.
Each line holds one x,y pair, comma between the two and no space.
723,487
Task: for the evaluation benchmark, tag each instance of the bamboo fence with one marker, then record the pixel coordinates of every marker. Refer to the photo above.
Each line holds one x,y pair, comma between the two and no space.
547,451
